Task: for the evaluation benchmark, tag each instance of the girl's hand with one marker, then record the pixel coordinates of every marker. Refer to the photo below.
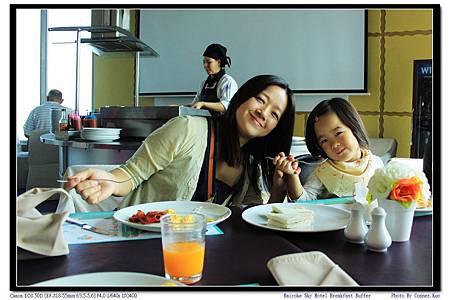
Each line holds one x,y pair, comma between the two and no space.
286,165
91,190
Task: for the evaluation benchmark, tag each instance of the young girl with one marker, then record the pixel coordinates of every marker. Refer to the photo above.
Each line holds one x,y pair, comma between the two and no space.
334,131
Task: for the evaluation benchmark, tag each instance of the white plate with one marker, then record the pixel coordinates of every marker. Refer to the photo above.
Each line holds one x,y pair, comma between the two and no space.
326,218
211,210
102,130
112,136
423,211
110,279
100,134
98,138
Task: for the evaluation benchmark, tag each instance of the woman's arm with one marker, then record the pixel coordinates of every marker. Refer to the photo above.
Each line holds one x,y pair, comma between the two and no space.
125,186
294,186
285,178
216,106
155,154
92,188
199,90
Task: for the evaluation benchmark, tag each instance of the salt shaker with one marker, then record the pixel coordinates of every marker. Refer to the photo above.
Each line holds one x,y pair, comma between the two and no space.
356,229
378,238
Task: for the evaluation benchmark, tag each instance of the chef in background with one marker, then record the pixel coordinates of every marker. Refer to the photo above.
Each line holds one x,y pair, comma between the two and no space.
217,90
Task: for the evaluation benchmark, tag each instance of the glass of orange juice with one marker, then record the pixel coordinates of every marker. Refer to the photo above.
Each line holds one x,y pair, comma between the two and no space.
183,243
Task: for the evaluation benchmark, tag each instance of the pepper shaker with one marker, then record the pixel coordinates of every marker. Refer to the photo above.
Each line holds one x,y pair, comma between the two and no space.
378,238
356,229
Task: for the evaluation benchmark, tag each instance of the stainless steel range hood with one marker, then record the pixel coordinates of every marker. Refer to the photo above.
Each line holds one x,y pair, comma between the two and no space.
111,39
118,45
108,40
123,43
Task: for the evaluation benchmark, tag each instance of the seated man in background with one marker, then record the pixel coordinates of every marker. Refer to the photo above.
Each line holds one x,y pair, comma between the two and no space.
40,117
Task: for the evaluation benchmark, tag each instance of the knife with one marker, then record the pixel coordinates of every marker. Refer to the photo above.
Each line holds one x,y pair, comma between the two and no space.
89,227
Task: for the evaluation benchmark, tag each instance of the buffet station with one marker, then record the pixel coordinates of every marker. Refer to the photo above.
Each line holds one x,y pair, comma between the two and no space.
119,134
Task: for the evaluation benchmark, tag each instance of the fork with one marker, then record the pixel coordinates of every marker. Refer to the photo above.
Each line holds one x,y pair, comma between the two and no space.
302,161
99,179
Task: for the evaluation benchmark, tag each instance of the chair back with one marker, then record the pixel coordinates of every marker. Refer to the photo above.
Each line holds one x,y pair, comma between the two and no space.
308,164
385,148
42,162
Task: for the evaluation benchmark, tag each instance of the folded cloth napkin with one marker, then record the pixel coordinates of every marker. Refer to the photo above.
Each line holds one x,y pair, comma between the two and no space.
308,269
37,233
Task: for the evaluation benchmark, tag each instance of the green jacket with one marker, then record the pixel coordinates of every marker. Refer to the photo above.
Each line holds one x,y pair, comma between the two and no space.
167,165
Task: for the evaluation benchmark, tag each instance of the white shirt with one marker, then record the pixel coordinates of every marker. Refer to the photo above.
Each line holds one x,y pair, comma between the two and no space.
226,88
40,117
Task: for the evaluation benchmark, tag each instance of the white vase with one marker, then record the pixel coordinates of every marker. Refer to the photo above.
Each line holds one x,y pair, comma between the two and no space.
398,219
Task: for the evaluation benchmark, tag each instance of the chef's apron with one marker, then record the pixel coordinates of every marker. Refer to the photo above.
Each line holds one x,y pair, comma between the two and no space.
209,90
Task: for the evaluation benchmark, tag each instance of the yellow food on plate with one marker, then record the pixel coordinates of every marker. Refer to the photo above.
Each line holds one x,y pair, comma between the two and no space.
168,283
422,203
181,219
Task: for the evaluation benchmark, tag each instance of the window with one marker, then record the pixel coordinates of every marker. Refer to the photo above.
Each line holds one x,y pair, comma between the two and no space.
27,64
60,61
61,57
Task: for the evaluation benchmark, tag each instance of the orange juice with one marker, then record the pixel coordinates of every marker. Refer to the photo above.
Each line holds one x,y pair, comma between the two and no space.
184,259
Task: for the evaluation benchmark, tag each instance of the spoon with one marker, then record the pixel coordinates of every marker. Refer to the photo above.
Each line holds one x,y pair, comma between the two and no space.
99,179
302,161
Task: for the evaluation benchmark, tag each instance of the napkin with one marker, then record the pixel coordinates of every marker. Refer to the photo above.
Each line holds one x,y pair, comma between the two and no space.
37,233
361,191
308,269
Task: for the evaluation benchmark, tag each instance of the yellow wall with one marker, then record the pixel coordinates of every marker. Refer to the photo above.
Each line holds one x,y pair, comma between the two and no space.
396,39
113,76
113,80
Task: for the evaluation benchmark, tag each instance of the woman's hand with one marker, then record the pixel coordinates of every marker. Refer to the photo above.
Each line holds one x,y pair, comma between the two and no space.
198,104
91,190
286,165
285,178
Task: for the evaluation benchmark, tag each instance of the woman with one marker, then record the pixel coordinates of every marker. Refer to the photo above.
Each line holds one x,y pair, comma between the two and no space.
174,161
217,90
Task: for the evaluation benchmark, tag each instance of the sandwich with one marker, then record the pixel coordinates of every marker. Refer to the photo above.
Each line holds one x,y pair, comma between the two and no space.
286,217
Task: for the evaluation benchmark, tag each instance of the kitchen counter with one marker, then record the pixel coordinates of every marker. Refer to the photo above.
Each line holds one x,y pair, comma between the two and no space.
121,144
77,151
81,152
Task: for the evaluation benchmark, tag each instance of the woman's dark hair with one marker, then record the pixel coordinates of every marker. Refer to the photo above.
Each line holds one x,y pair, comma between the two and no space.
346,113
255,150
218,52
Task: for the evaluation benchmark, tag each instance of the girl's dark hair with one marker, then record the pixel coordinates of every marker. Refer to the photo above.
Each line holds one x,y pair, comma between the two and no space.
348,115
255,151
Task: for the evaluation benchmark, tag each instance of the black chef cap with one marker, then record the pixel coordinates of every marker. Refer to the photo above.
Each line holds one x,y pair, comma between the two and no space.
218,51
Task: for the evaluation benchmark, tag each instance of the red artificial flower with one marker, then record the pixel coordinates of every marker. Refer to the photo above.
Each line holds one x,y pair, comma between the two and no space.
407,190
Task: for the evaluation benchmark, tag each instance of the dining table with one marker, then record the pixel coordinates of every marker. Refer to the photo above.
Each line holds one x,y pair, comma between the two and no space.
238,258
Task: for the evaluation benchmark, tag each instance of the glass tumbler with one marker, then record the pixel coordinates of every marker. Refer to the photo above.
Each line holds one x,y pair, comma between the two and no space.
183,244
